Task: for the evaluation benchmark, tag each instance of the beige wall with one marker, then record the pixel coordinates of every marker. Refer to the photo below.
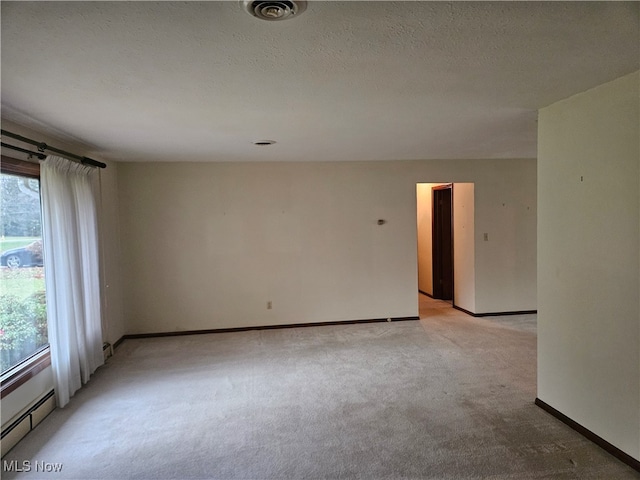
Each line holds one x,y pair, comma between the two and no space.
464,247
588,260
207,245
506,262
111,273
25,396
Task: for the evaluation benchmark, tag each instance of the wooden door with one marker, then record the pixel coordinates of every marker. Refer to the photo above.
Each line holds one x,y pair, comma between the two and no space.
443,242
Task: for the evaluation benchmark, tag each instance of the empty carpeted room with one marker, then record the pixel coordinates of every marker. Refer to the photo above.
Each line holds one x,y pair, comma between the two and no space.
286,239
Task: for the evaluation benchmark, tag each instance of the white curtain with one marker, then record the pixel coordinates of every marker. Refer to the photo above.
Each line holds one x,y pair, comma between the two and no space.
72,276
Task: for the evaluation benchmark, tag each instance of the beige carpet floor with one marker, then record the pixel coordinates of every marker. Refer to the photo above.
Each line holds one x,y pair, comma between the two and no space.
445,397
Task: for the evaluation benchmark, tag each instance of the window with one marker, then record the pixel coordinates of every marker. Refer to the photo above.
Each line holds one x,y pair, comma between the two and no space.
23,314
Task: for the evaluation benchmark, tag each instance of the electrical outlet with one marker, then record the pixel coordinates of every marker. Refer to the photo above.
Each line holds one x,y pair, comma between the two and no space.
269,305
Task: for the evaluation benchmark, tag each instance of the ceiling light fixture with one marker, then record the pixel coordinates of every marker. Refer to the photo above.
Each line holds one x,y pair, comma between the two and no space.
273,9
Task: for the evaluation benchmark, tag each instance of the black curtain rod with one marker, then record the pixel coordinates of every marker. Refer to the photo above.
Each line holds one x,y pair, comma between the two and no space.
40,156
43,146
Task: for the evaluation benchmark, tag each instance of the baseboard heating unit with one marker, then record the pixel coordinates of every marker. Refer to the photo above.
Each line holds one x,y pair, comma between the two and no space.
27,422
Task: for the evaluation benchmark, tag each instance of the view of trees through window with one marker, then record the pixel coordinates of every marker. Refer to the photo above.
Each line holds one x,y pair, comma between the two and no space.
23,316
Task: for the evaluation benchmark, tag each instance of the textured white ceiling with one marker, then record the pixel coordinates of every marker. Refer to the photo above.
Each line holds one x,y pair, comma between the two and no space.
199,81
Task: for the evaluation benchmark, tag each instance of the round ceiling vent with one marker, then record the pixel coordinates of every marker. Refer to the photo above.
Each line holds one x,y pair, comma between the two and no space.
274,9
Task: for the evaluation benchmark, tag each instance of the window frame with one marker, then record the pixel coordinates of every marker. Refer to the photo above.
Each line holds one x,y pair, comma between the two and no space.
22,372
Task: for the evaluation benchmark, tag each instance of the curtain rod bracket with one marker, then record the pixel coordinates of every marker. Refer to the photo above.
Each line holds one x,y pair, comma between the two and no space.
42,147
40,156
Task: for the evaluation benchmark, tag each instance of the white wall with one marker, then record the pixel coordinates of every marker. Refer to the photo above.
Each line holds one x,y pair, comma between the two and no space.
207,245
464,246
588,260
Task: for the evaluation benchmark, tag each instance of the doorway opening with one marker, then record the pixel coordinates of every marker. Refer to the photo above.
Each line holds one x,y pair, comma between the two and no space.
446,244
